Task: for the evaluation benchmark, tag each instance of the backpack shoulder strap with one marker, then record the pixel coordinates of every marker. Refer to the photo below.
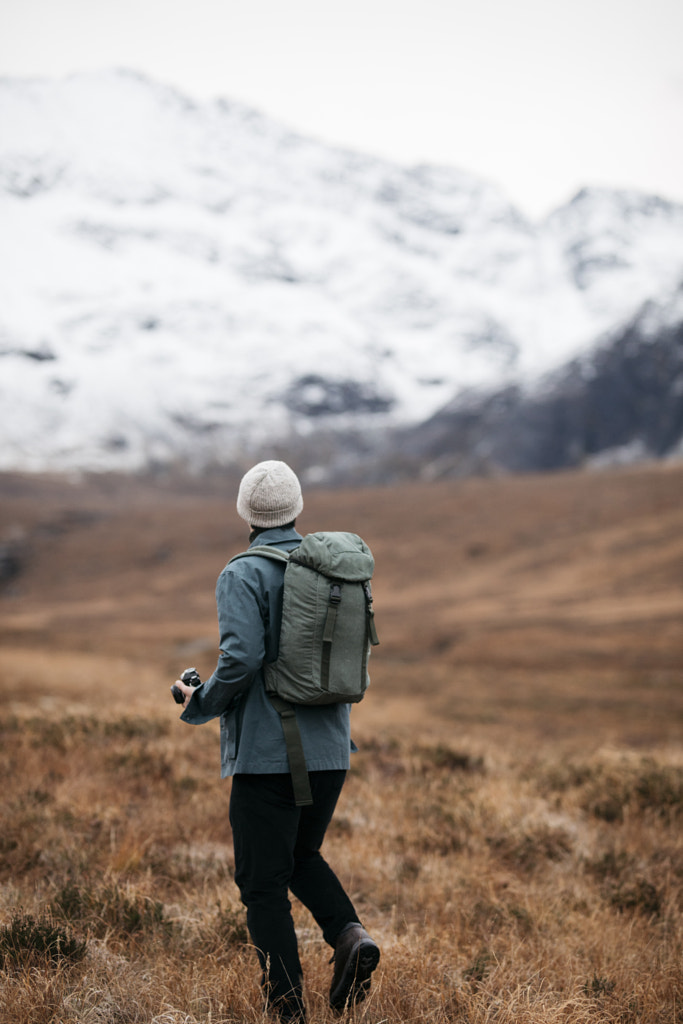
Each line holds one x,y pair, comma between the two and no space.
276,554
295,751
290,727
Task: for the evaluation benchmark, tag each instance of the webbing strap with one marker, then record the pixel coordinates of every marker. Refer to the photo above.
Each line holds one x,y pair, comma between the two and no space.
372,629
295,751
328,633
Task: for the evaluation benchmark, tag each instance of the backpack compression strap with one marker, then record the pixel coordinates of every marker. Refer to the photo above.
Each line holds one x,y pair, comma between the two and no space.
328,632
290,727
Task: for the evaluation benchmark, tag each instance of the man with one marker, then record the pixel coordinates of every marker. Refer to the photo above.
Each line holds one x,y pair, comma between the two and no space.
277,844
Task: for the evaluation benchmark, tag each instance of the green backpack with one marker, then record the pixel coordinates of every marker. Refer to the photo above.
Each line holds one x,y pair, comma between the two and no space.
327,630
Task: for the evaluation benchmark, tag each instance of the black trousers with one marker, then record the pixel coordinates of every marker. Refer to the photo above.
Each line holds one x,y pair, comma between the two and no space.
277,848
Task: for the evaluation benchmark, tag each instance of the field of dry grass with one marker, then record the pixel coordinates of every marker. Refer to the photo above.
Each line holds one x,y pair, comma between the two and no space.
511,827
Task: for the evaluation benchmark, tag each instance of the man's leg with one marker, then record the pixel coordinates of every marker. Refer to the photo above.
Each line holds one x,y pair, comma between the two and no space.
264,822
356,955
313,881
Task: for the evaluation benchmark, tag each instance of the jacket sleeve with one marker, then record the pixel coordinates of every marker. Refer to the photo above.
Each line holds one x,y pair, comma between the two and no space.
242,650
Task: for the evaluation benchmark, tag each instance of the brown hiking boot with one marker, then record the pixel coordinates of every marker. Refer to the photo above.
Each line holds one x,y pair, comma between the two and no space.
355,958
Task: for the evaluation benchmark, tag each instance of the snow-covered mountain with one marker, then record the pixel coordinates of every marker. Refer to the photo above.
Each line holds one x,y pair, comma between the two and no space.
618,403
193,282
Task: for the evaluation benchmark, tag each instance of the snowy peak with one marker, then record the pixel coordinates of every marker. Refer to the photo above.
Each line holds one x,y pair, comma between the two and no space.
190,280
616,239
119,137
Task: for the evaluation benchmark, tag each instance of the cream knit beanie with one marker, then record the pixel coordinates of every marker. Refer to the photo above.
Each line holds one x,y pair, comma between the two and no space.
269,495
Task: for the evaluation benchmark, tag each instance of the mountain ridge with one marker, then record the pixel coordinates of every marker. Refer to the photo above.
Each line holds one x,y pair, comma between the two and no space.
189,281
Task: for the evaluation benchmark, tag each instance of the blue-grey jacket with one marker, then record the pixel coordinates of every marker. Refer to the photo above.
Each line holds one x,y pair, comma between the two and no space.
249,604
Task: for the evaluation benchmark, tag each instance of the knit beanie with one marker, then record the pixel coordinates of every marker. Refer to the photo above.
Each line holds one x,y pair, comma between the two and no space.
269,495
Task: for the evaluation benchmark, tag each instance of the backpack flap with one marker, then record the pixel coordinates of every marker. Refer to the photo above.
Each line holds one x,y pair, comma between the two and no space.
340,556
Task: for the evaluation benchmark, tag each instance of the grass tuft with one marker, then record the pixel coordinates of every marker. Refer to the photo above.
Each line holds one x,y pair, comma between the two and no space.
28,941
110,910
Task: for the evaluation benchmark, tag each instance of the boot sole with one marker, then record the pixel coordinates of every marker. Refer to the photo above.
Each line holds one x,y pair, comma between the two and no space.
354,984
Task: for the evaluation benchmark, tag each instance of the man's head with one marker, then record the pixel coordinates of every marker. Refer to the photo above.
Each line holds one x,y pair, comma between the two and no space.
269,495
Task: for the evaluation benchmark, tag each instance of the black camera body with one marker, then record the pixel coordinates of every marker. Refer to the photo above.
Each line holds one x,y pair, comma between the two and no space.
191,677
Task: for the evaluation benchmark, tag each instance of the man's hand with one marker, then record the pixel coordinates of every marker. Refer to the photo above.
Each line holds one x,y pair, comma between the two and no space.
186,690
184,687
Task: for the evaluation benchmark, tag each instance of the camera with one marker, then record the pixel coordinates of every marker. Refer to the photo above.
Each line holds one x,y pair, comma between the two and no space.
191,678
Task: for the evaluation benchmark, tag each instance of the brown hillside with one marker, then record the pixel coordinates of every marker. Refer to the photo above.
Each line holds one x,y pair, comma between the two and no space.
547,602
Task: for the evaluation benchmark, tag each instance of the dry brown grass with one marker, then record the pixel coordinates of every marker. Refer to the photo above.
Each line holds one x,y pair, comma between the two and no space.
510,830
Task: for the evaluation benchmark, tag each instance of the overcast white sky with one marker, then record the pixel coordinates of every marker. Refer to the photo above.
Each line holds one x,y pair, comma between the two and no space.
540,96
